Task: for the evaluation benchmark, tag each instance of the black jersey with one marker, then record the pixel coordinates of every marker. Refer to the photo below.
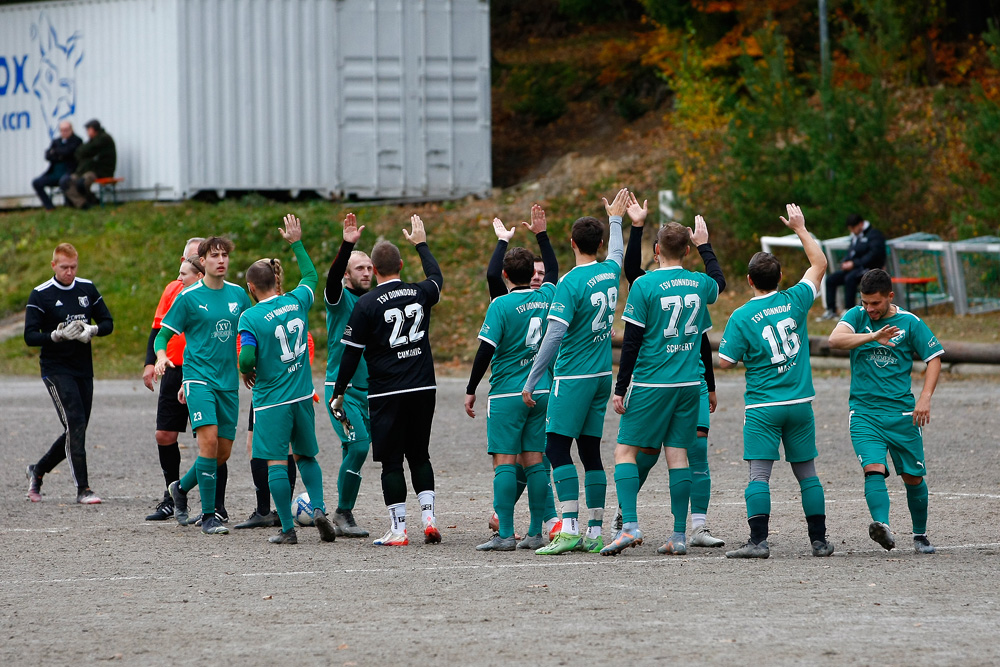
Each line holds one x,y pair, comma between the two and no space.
52,303
390,323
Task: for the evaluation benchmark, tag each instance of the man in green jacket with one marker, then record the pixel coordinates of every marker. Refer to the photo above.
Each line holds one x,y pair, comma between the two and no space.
94,159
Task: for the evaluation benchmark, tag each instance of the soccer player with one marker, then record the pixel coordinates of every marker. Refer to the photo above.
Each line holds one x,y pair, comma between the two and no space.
171,415
207,312
579,328
511,332
263,516
658,388
883,339
274,360
768,334
498,287
350,277
701,480
389,326
58,319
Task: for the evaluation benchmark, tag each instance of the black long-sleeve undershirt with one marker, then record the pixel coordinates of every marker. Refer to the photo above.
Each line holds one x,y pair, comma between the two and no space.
484,355
494,270
335,276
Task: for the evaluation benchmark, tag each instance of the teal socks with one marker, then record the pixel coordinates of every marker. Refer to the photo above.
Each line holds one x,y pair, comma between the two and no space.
312,479
877,497
701,479
349,477
281,494
813,502
595,483
758,497
627,486
206,471
680,496
504,495
644,463
567,484
537,481
916,500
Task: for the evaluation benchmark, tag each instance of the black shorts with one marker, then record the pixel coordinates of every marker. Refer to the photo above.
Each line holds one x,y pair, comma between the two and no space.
401,426
170,414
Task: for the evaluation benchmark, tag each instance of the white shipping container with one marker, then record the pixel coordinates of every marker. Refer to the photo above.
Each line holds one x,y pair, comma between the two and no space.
367,98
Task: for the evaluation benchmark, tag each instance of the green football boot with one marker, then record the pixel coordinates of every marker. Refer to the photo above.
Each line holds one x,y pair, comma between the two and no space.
564,542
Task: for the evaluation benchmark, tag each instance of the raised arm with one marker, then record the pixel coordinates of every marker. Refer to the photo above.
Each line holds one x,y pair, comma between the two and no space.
494,271
699,236
817,258
293,234
537,226
335,276
616,209
633,253
418,237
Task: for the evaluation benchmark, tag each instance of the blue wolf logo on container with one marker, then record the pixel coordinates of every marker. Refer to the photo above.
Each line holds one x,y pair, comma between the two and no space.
55,83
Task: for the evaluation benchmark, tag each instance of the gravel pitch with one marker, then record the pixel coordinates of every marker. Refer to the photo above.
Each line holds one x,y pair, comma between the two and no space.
87,584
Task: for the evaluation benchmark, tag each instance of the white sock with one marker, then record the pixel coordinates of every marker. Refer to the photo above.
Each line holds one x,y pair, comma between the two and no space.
426,500
397,517
593,532
697,520
571,526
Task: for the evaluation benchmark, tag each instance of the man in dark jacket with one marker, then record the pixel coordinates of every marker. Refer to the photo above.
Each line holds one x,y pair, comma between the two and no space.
95,159
867,252
61,155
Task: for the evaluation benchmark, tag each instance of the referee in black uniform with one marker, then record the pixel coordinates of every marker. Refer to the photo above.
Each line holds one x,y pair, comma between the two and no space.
58,319
389,325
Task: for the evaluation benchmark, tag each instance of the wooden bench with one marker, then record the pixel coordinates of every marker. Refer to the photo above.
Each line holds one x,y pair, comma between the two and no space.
108,187
915,283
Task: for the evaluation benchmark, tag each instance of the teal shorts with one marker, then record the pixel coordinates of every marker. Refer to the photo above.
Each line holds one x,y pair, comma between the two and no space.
577,406
792,425
277,426
704,409
872,435
659,417
356,407
512,427
208,407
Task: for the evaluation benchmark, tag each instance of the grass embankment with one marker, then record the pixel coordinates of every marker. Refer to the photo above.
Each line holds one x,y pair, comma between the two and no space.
131,252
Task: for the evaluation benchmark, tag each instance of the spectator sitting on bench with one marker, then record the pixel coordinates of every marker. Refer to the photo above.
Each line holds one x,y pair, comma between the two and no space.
62,161
867,252
95,159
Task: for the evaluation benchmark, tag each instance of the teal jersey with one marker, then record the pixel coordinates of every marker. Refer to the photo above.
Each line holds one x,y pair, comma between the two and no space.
671,307
514,325
208,318
337,315
768,334
585,301
280,325
880,375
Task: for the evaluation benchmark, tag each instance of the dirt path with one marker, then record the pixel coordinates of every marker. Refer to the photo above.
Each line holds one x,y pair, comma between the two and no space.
84,584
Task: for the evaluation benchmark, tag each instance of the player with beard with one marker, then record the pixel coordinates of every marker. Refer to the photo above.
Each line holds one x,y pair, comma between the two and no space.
350,277
389,326
883,339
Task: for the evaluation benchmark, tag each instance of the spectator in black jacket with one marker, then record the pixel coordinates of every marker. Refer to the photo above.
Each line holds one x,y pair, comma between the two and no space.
62,161
867,252
95,159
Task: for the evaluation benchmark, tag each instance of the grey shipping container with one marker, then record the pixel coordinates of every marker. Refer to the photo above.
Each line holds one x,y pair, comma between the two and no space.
366,98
